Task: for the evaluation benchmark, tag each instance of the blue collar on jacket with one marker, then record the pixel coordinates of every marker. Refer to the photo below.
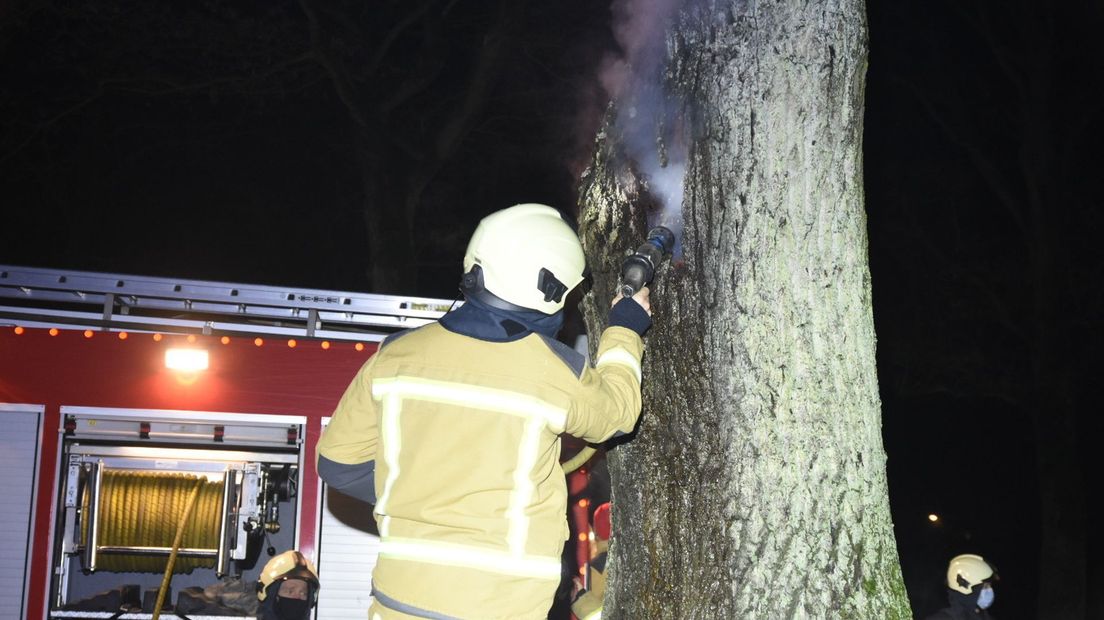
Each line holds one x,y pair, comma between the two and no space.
484,322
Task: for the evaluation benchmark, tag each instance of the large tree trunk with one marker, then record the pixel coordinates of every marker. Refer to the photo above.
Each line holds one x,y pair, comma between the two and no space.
755,486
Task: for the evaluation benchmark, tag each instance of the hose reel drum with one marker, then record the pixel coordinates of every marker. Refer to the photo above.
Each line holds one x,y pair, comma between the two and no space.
125,489
127,517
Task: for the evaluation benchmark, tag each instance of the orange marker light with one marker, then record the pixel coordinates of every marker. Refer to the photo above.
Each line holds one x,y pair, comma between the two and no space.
88,333
191,338
325,344
53,331
359,346
225,340
582,570
157,337
18,331
258,341
292,343
123,335
582,537
583,503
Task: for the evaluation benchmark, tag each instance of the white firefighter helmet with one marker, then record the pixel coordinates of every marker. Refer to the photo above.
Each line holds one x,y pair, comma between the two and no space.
527,257
967,571
287,565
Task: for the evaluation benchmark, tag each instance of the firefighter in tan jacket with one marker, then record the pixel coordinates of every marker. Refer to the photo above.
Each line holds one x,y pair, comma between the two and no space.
452,430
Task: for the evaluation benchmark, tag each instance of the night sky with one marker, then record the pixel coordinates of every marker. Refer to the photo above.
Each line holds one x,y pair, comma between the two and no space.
200,140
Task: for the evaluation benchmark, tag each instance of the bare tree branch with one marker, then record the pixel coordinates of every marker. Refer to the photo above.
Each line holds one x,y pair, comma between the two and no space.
980,21
977,156
50,122
981,282
345,90
393,34
510,12
412,86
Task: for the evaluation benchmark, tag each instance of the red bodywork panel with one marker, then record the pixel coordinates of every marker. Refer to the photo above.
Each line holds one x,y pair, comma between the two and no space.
103,370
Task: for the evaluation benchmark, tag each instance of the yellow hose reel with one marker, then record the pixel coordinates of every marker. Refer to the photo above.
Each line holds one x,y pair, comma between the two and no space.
137,517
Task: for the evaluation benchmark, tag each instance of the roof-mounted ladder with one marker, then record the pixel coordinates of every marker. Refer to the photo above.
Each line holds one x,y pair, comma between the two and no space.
34,297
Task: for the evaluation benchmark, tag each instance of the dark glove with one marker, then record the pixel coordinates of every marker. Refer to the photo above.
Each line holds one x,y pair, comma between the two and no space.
628,313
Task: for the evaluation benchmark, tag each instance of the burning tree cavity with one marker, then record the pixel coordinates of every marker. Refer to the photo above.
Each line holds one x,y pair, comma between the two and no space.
755,485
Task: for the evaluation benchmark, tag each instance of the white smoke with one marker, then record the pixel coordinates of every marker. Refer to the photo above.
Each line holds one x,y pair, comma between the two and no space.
638,27
647,114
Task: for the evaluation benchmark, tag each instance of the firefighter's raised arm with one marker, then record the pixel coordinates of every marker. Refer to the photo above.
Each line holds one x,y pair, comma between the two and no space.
608,402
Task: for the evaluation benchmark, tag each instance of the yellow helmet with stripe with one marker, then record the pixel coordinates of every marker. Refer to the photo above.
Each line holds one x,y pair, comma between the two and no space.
526,257
967,571
287,565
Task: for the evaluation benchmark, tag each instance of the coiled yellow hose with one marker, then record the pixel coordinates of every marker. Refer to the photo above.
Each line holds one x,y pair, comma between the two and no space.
143,509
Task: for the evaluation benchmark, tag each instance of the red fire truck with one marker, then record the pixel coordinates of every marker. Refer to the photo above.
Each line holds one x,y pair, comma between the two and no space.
117,392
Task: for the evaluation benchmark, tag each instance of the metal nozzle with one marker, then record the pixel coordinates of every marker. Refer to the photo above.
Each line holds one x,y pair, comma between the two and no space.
638,269
662,238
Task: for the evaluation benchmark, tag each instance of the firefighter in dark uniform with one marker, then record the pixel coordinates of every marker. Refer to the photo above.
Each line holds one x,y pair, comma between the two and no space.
452,430
969,589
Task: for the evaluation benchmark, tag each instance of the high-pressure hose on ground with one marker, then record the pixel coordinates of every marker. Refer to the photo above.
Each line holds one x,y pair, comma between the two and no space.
637,271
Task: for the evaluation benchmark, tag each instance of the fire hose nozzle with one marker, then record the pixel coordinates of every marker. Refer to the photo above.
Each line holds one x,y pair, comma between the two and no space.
639,268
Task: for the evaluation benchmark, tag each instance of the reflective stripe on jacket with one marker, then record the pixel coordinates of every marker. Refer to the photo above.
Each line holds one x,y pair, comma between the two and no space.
464,433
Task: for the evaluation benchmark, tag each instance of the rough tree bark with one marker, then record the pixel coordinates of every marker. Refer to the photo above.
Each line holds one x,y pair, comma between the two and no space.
755,485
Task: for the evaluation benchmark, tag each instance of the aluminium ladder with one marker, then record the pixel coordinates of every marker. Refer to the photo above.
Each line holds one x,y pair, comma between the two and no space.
35,297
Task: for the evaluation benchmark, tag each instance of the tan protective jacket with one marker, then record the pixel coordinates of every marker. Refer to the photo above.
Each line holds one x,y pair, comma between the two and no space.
472,500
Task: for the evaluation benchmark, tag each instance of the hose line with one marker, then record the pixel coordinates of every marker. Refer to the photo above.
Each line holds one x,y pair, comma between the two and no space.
176,547
577,461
